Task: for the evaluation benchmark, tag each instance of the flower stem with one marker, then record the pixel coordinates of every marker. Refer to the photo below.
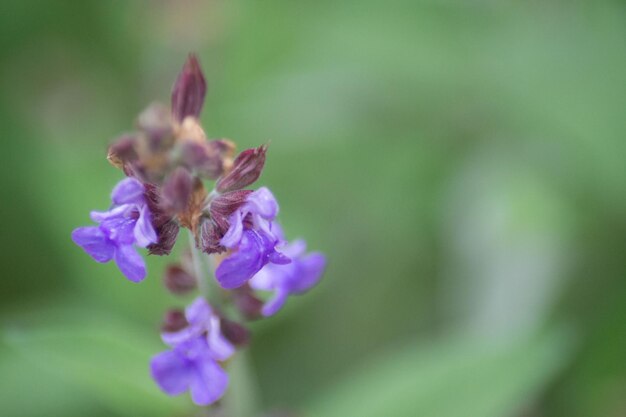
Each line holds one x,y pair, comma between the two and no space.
203,285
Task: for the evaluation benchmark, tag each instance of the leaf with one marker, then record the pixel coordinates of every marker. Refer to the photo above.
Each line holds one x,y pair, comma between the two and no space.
451,378
102,357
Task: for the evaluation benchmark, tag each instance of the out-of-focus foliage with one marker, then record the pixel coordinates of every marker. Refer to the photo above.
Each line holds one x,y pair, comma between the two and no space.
461,163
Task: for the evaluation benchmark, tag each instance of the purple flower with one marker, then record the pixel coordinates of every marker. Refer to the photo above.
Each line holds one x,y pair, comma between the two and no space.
190,367
126,224
203,322
251,239
304,271
192,364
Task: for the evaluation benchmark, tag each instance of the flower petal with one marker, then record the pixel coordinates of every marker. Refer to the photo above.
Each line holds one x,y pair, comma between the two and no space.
144,232
171,371
276,302
94,242
221,348
240,266
309,271
234,233
263,203
208,382
128,191
130,263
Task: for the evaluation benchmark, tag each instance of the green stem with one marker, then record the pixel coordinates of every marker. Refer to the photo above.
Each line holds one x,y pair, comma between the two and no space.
203,285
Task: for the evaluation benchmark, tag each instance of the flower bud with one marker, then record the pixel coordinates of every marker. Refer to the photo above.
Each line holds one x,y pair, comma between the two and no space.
167,234
188,91
236,334
246,169
206,158
162,221
174,320
178,280
122,151
247,303
177,190
156,123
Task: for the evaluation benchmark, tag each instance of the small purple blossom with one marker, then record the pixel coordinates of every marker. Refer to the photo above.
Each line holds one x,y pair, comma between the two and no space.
251,239
297,277
192,364
126,224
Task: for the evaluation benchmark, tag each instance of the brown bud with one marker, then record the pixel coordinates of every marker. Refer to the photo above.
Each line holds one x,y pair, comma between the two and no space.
247,303
166,234
206,158
236,334
165,226
246,169
177,190
190,217
178,280
156,124
122,151
224,205
174,320
189,90
210,236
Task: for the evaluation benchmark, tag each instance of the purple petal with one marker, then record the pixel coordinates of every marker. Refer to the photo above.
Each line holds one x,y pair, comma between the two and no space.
263,203
234,233
94,242
221,348
115,212
275,303
309,272
208,383
130,263
240,266
144,232
171,371
128,191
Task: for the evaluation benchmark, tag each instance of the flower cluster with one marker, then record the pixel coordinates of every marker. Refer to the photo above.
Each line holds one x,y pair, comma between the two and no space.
168,163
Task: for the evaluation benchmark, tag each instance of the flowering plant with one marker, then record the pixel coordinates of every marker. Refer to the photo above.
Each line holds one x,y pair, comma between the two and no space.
233,233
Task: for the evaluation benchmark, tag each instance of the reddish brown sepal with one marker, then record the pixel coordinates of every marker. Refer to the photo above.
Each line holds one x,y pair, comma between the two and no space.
189,90
174,320
234,332
177,190
178,280
246,169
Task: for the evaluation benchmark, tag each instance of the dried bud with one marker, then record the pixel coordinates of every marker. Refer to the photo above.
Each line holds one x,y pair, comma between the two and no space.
212,230
189,90
162,221
122,151
156,123
225,204
210,236
190,217
246,169
167,234
178,280
247,303
174,320
177,190
236,334
206,158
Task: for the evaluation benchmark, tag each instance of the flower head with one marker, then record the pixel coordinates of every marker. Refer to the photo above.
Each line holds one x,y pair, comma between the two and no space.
125,225
296,277
251,239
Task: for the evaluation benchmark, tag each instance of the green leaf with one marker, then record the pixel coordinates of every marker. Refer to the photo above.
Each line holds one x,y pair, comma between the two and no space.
103,358
451,378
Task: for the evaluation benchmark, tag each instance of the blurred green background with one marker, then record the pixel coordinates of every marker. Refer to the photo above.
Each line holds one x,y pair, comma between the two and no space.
462,164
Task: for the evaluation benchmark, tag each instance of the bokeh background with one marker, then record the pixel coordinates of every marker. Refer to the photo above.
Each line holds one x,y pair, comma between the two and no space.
462,164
